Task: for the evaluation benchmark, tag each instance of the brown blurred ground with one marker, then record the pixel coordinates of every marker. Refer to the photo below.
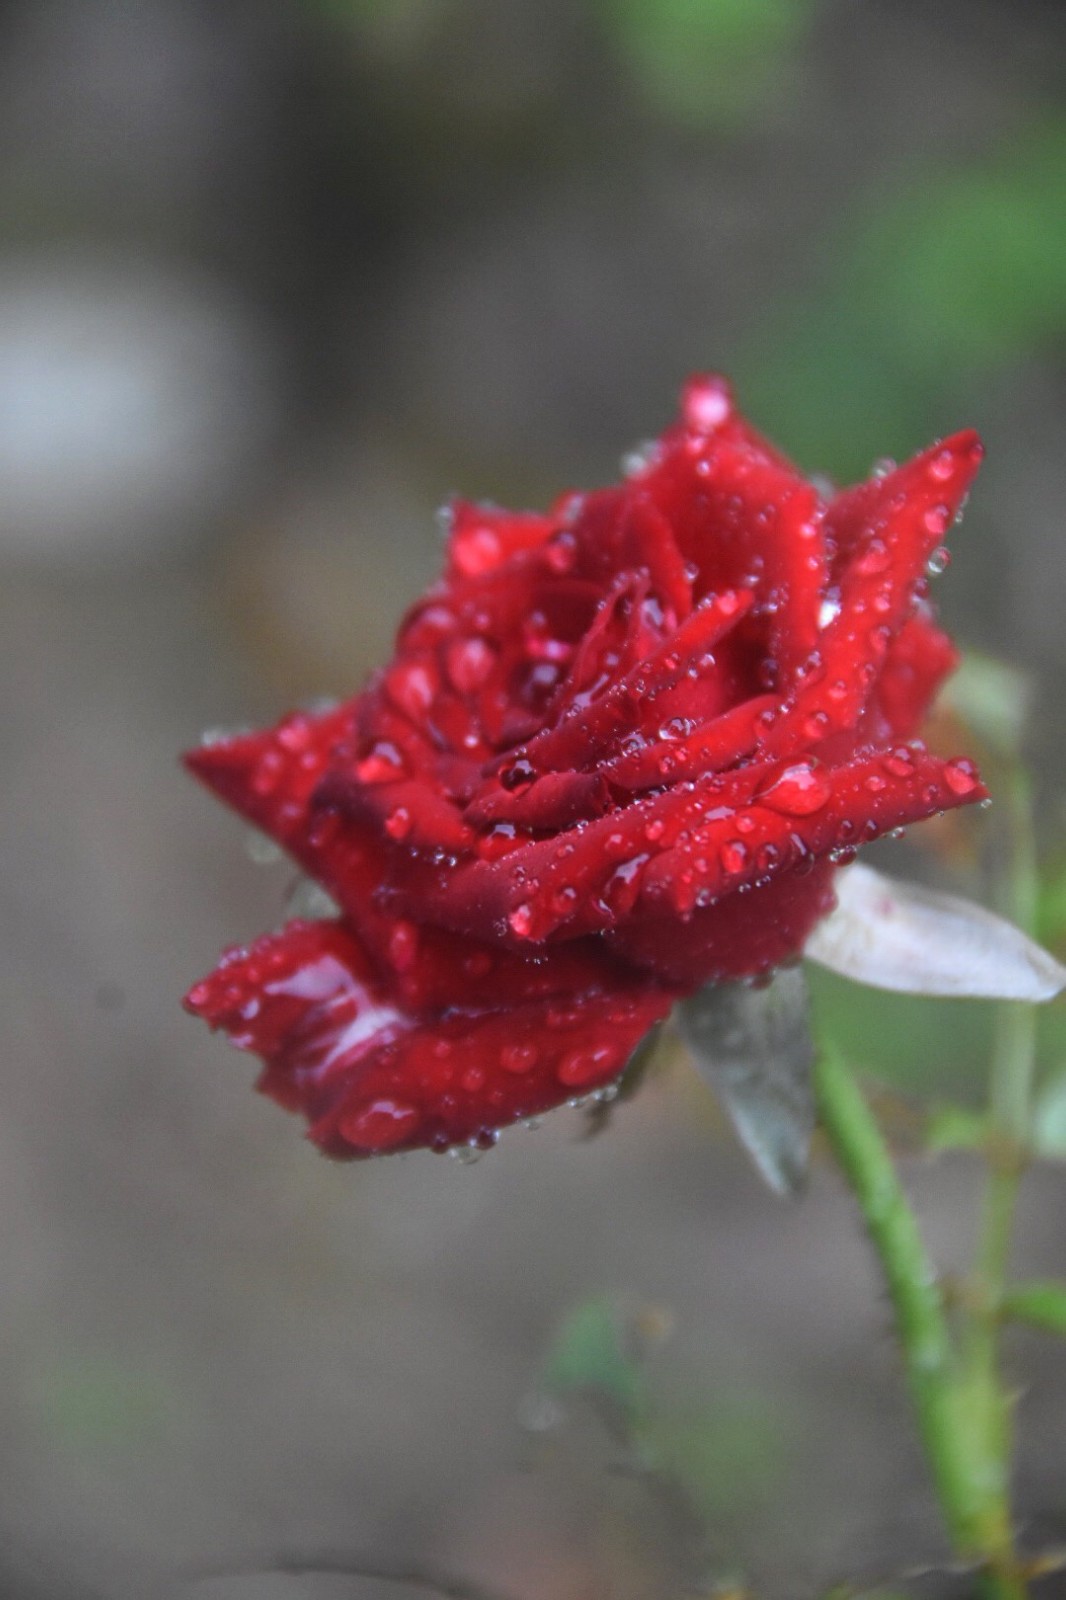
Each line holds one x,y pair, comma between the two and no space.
350,274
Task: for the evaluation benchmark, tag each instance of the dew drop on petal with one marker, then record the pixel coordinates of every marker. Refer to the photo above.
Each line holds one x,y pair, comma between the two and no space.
942,466
403,946
582,1066
521,920
798,791
899,762
733,856
469,663
939,561
383,764
706,404
936,519
564,900
398,823
654,830
381,1125
518,1058
875,558
961,777
561,552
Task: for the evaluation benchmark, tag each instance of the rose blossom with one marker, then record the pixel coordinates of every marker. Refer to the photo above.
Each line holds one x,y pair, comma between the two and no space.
619,751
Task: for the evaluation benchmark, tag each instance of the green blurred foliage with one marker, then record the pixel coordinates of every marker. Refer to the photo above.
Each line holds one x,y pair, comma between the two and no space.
960,272
707,63
730,1452
592,1355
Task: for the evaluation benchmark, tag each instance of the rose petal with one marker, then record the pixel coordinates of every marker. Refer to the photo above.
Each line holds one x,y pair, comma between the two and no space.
370,1079
906,937
890,527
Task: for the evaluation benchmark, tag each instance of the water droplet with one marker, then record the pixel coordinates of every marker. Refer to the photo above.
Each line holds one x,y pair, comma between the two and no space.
521,920
882,467
466,1154
476,550
675,728
874,783
382,765
381,1125
564,900
942,466
636,461
517,774
560,553
814,726
398,823
472,1079
706,404
961,777
733,856
518,1058
936,519
654,830
403,946
899,762
744,823
875,558
470,663
582,1066
828,612
797,791
939,561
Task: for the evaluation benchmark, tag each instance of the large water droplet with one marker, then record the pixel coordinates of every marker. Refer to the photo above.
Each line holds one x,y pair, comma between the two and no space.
381,1125
961,777
706,404
521,920
798,791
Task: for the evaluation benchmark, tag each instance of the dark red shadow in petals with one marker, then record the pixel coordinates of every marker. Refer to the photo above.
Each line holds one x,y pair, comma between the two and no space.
743,936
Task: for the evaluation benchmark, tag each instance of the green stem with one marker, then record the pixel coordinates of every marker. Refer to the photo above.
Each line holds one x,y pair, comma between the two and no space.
1010,1111
968,1480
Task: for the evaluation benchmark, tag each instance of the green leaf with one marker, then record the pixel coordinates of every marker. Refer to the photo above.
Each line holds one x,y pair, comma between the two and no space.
1043,1305
592,1354
706,62
730,1452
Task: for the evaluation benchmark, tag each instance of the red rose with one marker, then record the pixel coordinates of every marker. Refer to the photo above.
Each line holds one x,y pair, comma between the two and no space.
616,755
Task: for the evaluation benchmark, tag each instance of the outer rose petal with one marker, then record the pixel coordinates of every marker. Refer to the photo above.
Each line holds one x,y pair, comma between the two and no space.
370,1079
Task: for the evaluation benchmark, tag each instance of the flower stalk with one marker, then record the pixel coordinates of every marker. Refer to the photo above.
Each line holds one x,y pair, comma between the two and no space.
963,1405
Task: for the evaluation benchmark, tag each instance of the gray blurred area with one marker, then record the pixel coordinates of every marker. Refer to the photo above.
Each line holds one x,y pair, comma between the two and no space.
275,280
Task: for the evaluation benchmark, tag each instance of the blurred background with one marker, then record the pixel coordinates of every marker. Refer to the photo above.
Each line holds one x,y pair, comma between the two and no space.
276,278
